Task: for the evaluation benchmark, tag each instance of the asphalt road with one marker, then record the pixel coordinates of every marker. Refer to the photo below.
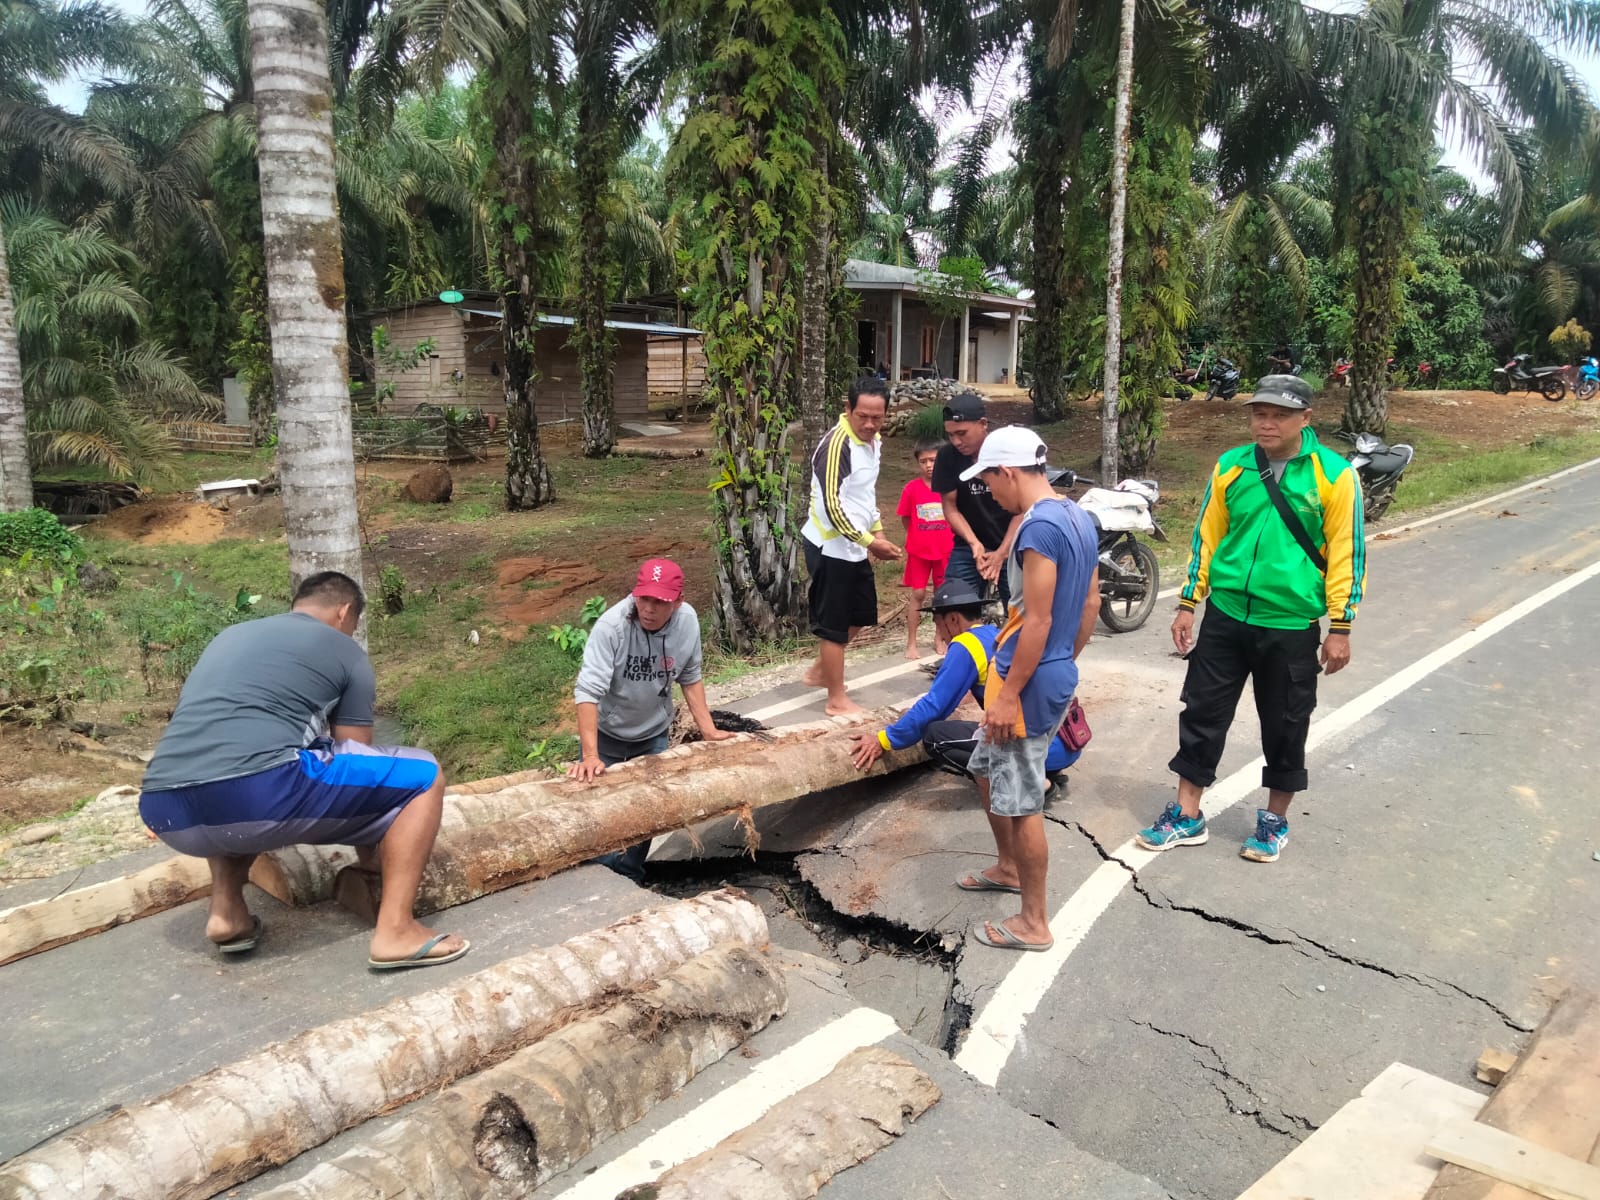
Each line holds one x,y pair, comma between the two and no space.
1439,888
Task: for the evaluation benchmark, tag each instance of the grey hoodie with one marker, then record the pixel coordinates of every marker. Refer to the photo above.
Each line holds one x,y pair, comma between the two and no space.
629,672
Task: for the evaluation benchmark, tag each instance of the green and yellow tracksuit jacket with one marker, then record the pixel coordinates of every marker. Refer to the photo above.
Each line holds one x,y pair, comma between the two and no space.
1245,559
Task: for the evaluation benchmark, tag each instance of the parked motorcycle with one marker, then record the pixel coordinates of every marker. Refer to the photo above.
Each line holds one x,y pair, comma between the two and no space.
1224,380
1517,375
1340,376
1129,574
1380,468
1588,378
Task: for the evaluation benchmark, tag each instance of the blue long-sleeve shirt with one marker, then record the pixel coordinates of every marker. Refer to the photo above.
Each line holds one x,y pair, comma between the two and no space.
965,671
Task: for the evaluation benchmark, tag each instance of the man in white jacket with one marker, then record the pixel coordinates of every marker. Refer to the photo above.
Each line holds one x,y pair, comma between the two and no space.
636,651
843,534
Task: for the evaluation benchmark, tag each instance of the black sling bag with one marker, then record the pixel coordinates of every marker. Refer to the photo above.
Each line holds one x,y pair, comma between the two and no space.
1294,524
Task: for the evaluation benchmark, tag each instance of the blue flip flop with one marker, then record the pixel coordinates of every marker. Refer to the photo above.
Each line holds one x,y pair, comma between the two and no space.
245,941
421,958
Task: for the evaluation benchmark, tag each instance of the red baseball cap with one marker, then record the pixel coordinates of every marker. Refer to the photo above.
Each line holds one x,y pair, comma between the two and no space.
659,579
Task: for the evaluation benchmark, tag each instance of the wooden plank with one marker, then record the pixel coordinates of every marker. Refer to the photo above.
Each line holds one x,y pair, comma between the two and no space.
1551,1097
1493,1065
44,924
1372,1148
1506,1157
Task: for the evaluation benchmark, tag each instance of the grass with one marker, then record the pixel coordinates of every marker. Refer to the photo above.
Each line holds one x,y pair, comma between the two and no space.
223,566
185,471
1446,471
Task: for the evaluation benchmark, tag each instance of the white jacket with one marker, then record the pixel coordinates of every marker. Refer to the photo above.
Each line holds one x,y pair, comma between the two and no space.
844,518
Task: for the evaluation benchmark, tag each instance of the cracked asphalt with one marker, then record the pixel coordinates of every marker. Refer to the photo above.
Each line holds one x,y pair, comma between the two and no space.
1438,889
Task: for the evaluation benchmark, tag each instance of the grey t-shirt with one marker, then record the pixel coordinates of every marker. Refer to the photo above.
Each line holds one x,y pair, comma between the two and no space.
261,692
629,672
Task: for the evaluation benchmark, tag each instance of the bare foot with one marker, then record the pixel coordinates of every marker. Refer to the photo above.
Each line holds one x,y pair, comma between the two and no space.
813,676
843,708
913,654
387,947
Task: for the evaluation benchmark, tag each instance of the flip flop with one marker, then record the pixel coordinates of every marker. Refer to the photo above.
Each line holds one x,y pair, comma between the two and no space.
1006,940
984,884
245,941
421,958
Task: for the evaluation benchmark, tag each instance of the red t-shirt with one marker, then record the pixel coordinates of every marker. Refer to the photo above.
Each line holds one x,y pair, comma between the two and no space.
929,536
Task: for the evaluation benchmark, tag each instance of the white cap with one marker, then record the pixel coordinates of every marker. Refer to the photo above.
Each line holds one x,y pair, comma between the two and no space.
1010,446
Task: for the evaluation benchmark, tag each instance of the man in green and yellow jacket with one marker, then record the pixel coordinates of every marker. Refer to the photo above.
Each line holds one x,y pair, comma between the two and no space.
1269,587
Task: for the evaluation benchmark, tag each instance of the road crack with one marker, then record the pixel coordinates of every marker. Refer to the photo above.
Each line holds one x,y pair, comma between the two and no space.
1301,944
1217,1065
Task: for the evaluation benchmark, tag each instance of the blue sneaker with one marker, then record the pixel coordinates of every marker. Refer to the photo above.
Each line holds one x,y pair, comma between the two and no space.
1172,828
1272,835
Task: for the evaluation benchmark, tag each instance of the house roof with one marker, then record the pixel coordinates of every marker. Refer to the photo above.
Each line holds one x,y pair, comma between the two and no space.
656,327
865,276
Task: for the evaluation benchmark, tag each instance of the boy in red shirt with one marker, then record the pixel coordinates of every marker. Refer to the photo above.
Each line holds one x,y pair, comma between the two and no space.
928,543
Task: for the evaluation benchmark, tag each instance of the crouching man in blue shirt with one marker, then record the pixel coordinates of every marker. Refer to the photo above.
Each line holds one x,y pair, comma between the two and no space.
957,610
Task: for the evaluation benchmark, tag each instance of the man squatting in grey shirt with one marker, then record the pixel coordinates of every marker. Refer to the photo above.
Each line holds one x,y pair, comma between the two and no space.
635,652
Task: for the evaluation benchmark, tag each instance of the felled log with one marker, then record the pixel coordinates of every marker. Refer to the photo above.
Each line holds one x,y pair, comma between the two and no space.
503,1132
239,1120
29,928
844,1118
533,829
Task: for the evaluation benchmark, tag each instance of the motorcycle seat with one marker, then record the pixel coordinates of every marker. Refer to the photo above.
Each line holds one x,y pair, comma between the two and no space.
1389,460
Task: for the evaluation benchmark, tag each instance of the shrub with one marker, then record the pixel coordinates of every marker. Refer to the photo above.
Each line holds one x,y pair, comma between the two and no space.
37,530
173,626
927,425
51,637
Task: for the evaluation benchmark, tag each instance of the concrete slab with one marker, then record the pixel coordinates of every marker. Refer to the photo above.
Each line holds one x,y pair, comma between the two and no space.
649,428
129,1013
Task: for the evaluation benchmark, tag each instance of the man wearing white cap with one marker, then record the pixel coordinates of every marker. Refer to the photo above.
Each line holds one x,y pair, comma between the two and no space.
1055,597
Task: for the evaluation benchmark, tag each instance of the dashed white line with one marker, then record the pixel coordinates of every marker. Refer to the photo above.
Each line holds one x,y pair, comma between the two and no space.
998,1027
736,1106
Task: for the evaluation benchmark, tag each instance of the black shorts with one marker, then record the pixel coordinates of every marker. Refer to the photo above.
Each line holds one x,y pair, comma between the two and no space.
842,595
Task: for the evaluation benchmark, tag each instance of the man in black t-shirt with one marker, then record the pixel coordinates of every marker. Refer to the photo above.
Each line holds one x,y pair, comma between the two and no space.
983,530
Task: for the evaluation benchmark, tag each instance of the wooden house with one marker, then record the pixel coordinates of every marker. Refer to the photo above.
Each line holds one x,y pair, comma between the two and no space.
463,368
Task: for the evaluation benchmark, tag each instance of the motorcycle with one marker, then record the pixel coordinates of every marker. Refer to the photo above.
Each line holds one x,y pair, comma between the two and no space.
1340,376
1129,574
1380,468
1517,375
1224,380
1588,378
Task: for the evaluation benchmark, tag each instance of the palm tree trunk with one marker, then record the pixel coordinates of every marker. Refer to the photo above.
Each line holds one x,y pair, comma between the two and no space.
816,287
596,280
1050,140
1380,246
16,476
1112,387
528,482
305,285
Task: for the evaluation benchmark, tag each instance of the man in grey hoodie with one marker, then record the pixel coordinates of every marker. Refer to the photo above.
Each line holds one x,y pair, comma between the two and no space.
637,649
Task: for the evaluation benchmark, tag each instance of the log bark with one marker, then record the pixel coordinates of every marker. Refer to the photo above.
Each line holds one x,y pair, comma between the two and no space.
844,1118
44,924
234,1122
487,842
502,1133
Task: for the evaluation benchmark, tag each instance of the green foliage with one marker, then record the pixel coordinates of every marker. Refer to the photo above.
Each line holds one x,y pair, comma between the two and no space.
1569,340
52,637
172,625
392,589
553,753
37,530
926,425
571,639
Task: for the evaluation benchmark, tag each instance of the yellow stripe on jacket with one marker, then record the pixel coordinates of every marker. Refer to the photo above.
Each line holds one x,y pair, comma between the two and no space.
1346,546
1209,531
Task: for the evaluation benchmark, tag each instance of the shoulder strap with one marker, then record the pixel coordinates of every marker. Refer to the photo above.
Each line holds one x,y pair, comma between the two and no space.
1296,527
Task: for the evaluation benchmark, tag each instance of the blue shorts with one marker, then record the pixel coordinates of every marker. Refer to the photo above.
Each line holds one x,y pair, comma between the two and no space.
347,795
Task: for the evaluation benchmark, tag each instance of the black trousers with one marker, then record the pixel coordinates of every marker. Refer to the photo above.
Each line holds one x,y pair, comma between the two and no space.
1281,665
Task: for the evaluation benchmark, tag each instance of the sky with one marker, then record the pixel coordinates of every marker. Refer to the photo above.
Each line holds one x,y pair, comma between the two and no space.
997,90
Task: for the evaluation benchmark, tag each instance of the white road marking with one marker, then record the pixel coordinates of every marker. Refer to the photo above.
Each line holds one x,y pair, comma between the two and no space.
997,1029
736,1106
1454,512
813,696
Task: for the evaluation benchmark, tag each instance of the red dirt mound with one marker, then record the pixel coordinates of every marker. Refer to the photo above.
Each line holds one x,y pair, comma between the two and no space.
165,522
